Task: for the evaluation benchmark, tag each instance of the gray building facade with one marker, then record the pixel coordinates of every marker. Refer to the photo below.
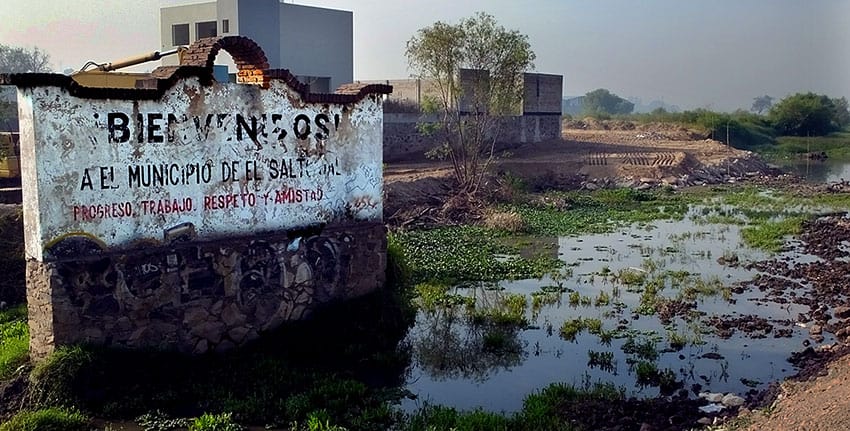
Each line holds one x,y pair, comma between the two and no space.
315,44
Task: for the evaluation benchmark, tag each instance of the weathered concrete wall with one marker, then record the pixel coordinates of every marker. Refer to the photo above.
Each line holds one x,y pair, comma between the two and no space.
403,141
542,94
190,214
121,171
540,119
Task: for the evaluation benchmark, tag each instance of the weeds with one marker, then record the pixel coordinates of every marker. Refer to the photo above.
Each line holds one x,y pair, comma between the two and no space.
572,327
770,235
631,277
14,340
159,421
602,299
49,419
211,422
456,254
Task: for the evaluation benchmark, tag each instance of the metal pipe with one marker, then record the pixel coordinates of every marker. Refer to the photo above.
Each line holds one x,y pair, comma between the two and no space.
138,59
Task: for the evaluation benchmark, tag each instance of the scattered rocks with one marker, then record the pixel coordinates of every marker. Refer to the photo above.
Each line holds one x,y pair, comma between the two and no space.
732,400
841,312
711,397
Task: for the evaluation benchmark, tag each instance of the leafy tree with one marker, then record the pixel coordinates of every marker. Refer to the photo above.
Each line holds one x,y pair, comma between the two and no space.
603,102
493,59
762,104
23,60
842,112
808,113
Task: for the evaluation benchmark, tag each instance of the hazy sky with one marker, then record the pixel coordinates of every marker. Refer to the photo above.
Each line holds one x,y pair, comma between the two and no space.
718,54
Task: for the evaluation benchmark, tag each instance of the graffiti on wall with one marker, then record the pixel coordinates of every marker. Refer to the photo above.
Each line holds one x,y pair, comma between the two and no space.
224,158
265,282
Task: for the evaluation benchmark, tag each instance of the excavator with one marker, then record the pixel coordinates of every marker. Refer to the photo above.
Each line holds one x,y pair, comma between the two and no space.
104,74
92,74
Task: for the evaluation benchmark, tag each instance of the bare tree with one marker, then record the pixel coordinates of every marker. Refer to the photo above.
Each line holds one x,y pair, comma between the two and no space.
493,60
23,60
762,104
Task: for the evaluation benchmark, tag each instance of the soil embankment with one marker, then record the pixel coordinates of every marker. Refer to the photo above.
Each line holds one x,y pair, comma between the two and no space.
589,155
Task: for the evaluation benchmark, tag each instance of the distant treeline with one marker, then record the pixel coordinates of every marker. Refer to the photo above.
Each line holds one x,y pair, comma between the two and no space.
798,115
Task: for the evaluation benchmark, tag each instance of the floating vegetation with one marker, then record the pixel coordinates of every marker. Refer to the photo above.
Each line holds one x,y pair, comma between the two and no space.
602,299
654,287
431,296
644,349
631,276
508,310
457,254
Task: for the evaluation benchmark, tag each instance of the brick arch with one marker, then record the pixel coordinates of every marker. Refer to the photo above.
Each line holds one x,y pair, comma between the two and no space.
245,52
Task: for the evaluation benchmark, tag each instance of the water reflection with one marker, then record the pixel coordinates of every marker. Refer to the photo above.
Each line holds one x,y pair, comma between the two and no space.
825,171
620,337
446,345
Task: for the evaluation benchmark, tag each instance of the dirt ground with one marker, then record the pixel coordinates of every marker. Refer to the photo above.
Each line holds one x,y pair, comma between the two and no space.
821,404
590,154
605,149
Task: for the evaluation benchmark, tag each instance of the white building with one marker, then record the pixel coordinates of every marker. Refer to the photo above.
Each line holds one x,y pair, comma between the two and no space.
315,44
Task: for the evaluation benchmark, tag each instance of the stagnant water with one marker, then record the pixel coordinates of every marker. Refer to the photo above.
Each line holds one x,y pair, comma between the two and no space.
826,171
455,364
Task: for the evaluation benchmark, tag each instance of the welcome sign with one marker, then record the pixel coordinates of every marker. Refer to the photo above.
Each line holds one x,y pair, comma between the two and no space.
202,161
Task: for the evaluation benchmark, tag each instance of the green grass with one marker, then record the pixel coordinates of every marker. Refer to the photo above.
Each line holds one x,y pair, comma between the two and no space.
597,212
14,340
322,364
508,310
50,419
771,235
835,145
541,411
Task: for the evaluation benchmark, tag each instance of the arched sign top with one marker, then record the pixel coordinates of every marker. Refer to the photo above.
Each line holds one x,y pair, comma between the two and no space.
251,62
245,52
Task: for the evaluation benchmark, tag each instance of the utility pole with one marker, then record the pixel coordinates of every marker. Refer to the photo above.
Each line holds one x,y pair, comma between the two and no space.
728,148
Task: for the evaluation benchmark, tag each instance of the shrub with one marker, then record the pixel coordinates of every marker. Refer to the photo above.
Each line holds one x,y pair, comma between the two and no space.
505,220
53,381
51,419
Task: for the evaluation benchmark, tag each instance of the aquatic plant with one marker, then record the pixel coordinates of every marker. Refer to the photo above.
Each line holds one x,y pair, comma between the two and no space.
602,299
631,276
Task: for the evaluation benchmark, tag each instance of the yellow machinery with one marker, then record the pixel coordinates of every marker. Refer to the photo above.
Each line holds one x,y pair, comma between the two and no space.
10,166
103,75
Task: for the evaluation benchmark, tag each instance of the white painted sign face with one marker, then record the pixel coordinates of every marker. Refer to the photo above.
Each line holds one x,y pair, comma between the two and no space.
202,162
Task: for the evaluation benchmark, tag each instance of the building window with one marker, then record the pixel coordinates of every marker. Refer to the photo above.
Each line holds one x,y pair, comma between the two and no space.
180,34
205,29
225,26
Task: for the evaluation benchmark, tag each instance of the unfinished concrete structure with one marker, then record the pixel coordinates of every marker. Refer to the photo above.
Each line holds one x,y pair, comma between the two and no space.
189,214
538,118
315,44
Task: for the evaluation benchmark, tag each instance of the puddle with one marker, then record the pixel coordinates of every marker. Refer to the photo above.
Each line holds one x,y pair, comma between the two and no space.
819,171
464,365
